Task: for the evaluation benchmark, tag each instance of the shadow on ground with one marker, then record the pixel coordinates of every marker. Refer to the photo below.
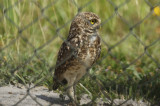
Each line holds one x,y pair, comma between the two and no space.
53,100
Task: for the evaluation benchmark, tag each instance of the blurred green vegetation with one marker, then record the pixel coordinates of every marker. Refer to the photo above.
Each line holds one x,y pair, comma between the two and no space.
139,80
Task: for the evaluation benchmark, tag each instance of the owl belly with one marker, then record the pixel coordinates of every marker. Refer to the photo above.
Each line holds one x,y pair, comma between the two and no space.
75,73
89,58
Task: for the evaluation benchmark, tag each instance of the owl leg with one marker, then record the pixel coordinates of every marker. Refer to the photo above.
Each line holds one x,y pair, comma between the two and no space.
74,88
71,90
76,97
70,93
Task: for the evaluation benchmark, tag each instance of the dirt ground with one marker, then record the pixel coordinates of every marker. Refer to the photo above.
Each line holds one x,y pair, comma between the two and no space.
12,95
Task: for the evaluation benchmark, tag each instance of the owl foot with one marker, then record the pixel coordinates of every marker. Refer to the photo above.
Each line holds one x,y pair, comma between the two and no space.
62,97
72,104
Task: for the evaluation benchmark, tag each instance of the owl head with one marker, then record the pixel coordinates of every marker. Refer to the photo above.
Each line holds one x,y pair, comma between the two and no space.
87,21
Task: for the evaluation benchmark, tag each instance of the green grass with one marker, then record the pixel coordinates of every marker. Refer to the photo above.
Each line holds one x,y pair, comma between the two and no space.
139,80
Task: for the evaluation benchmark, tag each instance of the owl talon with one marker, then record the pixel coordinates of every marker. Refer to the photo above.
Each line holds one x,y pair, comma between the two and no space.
62,97
71,104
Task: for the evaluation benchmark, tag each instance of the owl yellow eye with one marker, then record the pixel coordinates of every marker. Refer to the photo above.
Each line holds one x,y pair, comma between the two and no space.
93,21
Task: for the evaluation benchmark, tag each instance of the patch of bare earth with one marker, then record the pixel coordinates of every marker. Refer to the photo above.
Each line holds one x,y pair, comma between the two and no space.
13,95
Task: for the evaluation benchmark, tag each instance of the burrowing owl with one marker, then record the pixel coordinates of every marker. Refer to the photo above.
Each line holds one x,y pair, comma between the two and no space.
78,53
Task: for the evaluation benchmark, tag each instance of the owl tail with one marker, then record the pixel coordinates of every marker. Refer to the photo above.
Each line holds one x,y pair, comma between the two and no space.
55,85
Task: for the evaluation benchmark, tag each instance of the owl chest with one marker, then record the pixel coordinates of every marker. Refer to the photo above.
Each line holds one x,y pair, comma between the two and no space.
88,50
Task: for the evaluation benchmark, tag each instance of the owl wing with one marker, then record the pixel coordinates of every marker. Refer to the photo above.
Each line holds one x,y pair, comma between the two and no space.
66,57
66,54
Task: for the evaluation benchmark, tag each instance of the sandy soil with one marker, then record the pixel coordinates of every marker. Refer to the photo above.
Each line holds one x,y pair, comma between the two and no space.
12,95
